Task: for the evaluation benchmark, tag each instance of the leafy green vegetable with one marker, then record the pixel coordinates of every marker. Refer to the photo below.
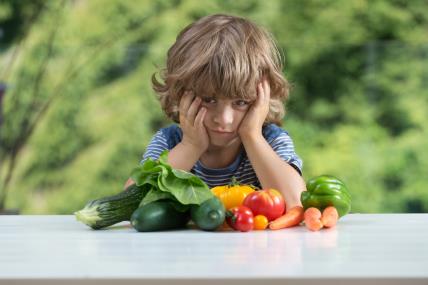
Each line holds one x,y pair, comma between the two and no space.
190,190
154,195
171,184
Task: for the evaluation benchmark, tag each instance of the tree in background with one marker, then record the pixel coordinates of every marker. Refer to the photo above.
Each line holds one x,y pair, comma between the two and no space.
16,20
357,108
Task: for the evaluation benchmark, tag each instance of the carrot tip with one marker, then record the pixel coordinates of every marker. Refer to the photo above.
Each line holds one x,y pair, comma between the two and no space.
330,216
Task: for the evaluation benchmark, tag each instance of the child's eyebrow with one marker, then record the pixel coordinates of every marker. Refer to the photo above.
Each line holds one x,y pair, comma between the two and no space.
208,96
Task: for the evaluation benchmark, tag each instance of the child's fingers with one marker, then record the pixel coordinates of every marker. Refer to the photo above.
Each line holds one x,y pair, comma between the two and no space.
261,95
185,102
199,120
266,90
193,110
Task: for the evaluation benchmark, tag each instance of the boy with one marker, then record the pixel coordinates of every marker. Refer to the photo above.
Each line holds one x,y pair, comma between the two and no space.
224,87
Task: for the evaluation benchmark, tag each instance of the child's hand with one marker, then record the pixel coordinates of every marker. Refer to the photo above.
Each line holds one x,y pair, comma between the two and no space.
252,123
192,122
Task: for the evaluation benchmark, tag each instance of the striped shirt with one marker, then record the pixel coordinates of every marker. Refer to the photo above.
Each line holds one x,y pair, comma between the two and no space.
241,168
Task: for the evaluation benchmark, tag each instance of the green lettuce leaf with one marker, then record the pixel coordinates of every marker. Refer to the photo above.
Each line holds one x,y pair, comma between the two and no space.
181,187
154,195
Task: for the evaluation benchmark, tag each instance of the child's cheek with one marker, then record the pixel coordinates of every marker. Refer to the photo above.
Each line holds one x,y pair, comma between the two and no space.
207,116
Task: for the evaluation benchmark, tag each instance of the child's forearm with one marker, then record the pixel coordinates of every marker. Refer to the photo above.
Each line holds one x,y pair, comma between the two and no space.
183,156
273,172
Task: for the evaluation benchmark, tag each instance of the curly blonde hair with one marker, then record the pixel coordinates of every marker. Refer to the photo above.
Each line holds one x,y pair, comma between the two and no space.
226,56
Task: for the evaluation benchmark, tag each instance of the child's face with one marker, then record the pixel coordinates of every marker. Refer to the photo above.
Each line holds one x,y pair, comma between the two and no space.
223,118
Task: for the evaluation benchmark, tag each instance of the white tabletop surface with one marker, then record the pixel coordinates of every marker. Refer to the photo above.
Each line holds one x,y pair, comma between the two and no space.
361,249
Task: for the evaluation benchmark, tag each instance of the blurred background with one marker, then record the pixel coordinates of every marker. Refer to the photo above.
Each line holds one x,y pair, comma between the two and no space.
77,108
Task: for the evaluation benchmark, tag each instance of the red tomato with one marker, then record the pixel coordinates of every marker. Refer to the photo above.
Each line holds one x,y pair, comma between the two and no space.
240,218
268,202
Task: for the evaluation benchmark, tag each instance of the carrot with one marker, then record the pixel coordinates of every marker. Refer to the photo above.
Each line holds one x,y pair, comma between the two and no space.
329,217
292,218
312,212
313,224
312,218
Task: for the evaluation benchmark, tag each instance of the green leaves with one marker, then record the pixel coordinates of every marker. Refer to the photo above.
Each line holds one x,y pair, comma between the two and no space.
171,184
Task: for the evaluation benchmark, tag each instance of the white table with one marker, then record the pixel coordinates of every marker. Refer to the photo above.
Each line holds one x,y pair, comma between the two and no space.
362,249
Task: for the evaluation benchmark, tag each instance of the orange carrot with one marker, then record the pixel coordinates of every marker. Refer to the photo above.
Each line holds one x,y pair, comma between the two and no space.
313,224
312,218
312,212
329,217
292,218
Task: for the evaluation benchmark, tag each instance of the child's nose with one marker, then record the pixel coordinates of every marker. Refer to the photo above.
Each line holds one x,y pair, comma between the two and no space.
224,116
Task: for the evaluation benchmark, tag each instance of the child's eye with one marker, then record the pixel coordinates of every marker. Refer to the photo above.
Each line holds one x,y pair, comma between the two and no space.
242,103
208,99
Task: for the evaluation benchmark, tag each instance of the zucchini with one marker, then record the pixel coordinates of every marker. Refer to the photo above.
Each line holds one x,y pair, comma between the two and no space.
159,216
110,210
209,215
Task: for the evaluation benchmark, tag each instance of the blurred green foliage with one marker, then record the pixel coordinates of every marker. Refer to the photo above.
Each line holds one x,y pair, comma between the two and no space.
79,109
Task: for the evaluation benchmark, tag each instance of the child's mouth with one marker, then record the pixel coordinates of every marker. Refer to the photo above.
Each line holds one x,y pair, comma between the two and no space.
220,133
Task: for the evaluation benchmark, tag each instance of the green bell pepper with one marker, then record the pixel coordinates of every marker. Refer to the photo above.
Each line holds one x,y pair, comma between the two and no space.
326,190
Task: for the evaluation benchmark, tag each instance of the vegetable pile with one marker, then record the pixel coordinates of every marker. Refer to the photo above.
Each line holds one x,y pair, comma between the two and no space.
325,201
165,198
162,198
324,191
255,210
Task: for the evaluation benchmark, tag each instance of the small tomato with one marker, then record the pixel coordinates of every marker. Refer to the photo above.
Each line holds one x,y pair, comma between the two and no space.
240,218
267,202
260,222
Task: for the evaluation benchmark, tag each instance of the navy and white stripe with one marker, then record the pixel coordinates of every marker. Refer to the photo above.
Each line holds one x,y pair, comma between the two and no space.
241,168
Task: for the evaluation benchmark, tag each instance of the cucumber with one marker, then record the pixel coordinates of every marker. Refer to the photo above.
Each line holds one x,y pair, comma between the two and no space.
110,210
159,216
209,215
